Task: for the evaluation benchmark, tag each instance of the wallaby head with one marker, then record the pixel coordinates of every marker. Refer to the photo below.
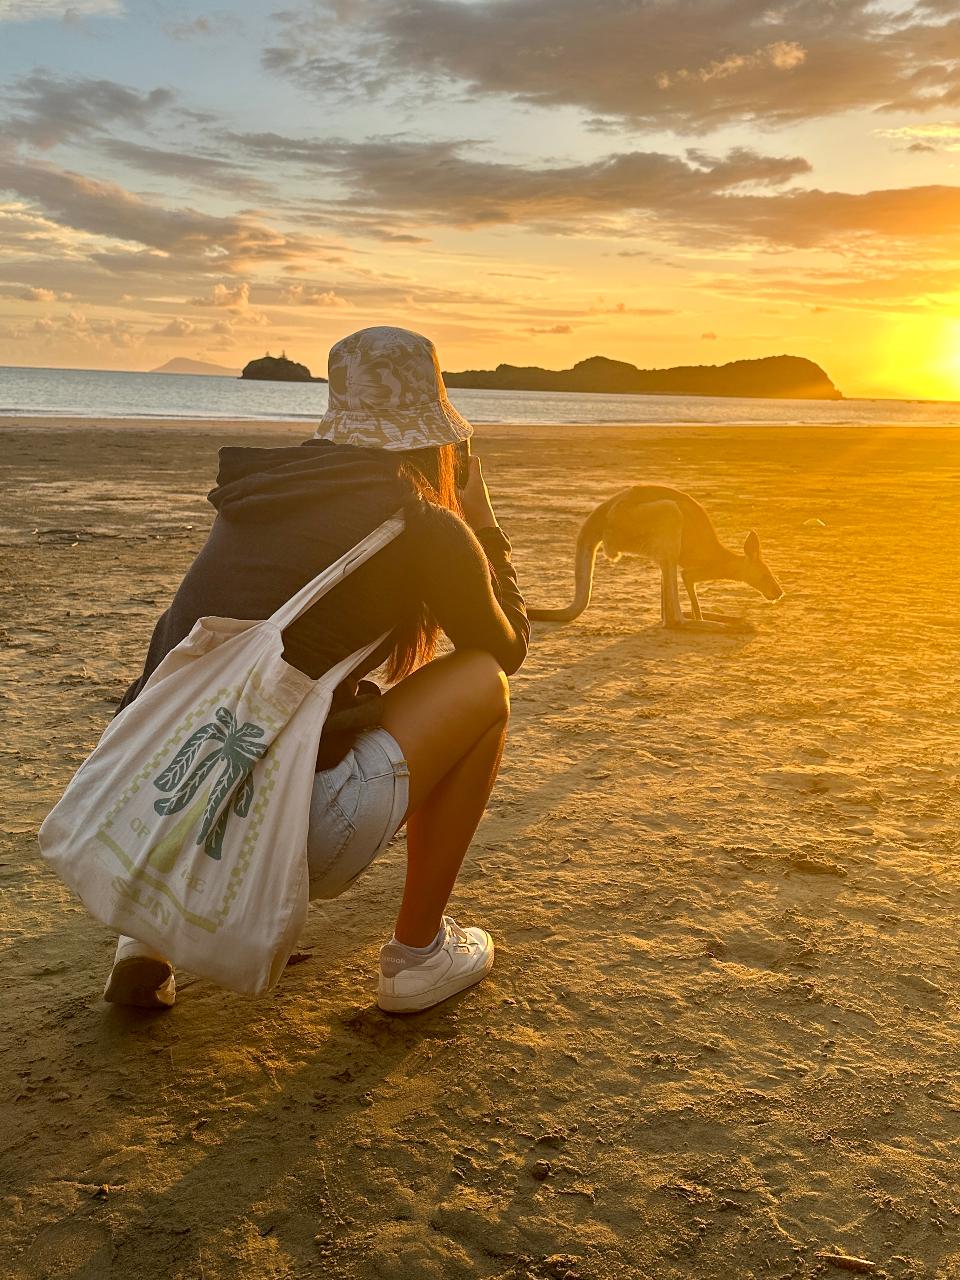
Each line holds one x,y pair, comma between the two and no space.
756,573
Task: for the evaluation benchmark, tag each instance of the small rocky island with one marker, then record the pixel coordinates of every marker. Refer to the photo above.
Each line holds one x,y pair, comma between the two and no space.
277,369
773,377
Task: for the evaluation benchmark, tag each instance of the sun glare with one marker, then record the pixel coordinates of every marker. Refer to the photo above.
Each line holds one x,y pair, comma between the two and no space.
919,358
944,374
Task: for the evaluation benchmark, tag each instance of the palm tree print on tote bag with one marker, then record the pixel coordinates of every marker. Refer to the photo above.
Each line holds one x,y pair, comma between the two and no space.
237,753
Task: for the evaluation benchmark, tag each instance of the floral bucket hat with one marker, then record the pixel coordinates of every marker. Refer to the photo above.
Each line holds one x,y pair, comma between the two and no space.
386,392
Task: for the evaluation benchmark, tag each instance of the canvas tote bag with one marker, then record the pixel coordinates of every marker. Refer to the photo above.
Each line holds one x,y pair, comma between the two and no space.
186,827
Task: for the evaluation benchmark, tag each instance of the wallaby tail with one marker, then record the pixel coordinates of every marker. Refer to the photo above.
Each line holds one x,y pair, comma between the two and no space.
588,542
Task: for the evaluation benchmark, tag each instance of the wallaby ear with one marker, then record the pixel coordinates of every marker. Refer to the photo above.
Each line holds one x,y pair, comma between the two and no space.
751,547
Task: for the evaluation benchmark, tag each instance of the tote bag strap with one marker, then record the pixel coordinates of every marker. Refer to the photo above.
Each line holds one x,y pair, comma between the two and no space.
318,587
332,678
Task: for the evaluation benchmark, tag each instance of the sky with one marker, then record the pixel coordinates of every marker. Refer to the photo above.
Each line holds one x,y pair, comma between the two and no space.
530,181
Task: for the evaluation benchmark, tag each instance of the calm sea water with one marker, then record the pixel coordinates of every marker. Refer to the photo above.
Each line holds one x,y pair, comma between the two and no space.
94,394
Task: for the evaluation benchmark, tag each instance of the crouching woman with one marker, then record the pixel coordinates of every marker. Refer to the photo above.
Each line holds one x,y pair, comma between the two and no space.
426,752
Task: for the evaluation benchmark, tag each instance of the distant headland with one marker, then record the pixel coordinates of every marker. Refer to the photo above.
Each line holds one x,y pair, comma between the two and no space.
278,369
772,377
181,365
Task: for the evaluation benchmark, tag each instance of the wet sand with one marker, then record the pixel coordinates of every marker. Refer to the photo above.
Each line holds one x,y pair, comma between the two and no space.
722,872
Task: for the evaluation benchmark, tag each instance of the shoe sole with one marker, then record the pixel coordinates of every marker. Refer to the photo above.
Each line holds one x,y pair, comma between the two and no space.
140,981
436,995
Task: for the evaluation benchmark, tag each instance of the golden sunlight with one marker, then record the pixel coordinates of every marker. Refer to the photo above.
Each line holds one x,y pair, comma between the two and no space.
919,356
571,389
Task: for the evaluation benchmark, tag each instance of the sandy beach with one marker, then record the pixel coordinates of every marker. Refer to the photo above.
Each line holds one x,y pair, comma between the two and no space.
722,872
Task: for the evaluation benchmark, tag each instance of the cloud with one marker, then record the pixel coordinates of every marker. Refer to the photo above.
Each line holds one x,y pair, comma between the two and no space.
554,328
37,250
35,10
204,170
236,297
316,49
708,337
698,199
621,309
203,26
178,327
687,65
806,219
305,296
944,136
396,237
784,55
383,292
76,327
31,293
49,110
439,182
236,300
171,239
279,148
871,285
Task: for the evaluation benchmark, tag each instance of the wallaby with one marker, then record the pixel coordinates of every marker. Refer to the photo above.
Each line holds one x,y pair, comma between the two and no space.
673,530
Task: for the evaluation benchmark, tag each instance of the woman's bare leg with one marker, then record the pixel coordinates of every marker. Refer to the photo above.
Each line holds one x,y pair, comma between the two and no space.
450,720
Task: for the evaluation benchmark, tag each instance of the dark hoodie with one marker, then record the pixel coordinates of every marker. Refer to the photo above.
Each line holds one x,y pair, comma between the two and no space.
283,515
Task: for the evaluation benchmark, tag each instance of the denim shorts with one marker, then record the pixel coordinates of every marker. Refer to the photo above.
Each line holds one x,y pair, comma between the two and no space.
357,808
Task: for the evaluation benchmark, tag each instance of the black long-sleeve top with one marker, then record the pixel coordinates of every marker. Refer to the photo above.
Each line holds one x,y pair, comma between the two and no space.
284,514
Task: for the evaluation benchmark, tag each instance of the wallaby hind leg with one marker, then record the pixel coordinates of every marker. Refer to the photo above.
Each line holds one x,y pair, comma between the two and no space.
671,614
690,584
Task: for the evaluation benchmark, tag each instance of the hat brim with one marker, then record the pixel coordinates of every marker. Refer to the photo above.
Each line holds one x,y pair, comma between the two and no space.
428,427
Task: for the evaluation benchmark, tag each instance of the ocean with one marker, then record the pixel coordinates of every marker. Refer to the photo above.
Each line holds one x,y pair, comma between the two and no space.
86,393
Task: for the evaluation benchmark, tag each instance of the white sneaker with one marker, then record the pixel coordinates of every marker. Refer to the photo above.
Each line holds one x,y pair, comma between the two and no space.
140,976
409,983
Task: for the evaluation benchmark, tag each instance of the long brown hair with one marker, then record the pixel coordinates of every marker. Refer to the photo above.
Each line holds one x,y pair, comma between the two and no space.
432,474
